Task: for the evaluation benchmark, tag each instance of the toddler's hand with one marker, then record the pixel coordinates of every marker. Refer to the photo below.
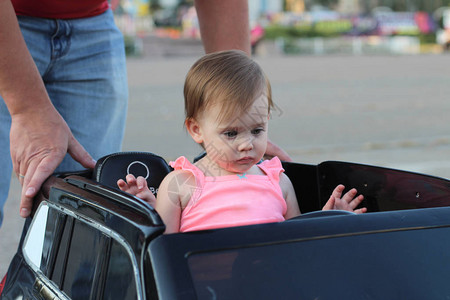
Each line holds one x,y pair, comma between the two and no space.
137,187
347,202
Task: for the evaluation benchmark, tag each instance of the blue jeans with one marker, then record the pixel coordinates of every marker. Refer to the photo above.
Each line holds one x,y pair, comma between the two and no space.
82,63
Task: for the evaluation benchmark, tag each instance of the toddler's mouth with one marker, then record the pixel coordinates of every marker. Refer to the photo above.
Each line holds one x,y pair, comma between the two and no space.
245,160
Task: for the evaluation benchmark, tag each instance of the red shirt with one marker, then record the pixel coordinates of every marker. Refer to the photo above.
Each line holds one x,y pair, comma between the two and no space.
60,9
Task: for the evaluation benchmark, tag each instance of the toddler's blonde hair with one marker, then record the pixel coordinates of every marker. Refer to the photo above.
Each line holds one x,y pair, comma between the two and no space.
227,78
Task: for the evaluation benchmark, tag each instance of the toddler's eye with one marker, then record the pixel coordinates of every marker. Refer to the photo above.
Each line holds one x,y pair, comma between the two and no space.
230,134
257,131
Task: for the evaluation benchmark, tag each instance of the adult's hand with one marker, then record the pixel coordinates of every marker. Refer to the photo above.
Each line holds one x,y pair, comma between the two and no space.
39,137
274,150
39,142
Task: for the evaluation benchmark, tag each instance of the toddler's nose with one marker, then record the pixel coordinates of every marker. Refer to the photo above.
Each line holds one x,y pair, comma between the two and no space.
246,145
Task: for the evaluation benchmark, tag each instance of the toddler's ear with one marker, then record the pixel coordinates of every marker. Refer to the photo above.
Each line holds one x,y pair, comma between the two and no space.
194,130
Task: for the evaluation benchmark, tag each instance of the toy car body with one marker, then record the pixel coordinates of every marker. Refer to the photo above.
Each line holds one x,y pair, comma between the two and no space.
88,240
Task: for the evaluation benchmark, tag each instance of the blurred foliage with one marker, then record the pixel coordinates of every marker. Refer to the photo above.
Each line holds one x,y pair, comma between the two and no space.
307,31
319,30
297,31
427,38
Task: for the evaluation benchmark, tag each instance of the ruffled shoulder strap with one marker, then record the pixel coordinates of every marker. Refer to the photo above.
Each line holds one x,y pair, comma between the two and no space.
272,168
182,163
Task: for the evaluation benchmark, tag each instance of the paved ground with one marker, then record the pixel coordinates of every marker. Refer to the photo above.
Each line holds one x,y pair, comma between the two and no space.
383,110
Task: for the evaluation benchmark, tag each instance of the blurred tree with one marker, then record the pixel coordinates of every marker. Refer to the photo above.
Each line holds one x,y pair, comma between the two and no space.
327,3
154,5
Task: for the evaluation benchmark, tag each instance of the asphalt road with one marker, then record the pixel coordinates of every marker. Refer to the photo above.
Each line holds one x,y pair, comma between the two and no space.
391,111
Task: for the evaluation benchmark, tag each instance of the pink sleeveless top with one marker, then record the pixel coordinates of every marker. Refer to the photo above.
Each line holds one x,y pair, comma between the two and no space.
233,200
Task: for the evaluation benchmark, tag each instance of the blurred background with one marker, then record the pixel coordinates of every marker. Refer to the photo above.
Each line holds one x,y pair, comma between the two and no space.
304,26
359,81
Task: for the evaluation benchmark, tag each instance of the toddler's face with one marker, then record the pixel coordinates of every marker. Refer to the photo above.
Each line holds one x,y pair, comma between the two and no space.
236,144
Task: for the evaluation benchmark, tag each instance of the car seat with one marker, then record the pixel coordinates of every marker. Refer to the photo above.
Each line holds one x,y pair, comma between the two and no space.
113,167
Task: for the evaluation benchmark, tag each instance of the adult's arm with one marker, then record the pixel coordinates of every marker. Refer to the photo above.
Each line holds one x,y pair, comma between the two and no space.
39,137
224,24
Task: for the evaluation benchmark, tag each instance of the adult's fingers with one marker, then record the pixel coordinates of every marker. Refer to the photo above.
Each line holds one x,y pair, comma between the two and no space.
20,177
38,144
40,168
36,169
79,154
274,150
37,172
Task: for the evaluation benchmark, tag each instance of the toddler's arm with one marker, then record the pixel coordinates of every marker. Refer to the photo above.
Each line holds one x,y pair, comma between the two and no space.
289,195
174,194
137,187
347,202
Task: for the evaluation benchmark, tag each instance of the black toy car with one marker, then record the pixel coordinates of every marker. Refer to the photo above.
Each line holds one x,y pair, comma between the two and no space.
88,240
